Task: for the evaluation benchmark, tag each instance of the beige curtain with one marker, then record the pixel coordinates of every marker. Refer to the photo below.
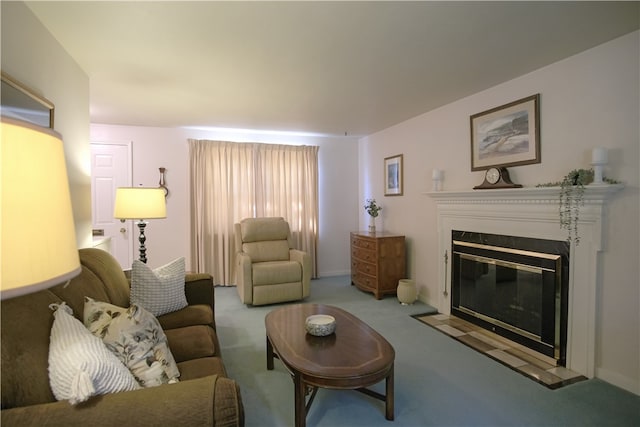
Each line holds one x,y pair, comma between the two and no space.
231,181
287,186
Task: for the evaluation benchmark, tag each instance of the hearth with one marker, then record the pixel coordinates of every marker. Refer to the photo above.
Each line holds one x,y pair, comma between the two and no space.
514,286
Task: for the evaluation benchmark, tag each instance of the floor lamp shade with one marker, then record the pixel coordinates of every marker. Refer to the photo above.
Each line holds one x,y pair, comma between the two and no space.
140,203
39,248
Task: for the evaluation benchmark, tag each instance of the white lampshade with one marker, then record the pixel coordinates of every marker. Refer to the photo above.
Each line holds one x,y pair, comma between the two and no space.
38,235
140,203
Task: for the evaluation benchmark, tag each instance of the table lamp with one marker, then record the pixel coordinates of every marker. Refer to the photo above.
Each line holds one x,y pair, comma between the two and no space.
38,248
140,203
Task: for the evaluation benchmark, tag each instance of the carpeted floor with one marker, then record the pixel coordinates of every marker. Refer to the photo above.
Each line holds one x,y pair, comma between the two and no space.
438,381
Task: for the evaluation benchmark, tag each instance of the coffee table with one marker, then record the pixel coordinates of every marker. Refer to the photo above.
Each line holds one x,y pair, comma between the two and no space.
354,357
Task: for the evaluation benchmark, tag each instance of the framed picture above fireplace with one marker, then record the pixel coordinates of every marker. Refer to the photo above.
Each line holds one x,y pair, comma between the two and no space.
508,135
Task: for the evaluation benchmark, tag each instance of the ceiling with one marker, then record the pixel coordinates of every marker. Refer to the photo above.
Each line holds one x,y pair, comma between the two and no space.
330,68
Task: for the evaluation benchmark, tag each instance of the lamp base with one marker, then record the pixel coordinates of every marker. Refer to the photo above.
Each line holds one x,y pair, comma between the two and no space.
142,238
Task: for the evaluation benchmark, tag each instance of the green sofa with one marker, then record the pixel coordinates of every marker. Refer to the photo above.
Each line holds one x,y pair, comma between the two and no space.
203,397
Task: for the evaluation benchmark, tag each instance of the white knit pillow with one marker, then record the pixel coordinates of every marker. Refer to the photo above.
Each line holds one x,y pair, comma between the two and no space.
80,365
159,291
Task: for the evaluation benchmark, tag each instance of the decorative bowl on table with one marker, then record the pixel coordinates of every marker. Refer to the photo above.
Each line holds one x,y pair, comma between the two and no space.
320,325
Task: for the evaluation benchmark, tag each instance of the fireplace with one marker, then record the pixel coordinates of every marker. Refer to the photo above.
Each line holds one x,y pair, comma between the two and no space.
514,286
532,213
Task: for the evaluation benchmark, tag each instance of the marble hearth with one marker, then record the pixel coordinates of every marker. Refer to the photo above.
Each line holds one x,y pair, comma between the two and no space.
534,213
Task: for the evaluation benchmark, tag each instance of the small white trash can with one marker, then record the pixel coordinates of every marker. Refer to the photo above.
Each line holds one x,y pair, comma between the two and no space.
407,292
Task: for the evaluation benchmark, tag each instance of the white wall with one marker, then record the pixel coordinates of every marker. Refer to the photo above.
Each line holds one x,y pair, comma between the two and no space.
31,55
169,238
588,100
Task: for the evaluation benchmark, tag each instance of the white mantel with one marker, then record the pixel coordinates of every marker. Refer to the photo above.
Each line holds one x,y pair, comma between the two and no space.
534,212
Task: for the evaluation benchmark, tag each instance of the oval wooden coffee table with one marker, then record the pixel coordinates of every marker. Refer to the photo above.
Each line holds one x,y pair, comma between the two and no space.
354,357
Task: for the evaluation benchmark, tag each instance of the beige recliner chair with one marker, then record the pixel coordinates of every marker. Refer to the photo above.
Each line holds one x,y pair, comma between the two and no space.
268,269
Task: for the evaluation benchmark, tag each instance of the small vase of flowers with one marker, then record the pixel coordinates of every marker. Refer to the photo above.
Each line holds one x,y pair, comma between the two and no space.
373,209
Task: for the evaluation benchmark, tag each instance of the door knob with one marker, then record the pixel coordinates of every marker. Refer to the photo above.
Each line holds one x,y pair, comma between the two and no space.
123,230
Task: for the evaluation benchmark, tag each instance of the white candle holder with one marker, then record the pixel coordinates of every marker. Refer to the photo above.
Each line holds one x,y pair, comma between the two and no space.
599,158
436,177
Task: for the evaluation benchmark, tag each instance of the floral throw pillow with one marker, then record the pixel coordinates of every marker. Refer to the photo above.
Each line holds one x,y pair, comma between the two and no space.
80,365
135,336
161,290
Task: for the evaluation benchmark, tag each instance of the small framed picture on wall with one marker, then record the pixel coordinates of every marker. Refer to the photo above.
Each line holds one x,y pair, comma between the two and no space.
393,180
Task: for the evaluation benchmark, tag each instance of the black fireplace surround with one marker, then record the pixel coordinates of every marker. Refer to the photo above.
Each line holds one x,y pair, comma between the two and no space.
516,287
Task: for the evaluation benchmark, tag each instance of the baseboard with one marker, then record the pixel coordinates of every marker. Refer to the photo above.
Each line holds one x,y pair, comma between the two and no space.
324,274
618,380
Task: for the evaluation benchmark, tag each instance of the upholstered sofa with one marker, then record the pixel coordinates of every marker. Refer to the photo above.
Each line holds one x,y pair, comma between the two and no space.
204,396
268,269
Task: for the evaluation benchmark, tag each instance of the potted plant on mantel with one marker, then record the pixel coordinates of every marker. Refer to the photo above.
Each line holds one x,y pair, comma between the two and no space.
373,210
572,189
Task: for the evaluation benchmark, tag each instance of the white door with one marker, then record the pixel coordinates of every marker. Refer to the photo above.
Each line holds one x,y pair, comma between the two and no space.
110,169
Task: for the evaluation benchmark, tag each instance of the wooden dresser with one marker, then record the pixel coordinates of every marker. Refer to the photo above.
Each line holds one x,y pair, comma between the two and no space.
377,262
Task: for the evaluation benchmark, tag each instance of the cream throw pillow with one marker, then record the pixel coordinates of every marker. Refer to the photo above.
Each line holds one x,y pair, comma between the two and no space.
160,291
135,336
80,365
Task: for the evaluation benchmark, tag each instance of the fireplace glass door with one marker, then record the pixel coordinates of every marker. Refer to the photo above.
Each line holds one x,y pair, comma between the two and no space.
506,293
514,292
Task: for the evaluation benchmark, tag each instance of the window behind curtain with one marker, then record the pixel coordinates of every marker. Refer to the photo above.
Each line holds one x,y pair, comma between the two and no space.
231,181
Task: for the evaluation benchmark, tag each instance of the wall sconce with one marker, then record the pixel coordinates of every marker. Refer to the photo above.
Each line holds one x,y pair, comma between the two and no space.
162,182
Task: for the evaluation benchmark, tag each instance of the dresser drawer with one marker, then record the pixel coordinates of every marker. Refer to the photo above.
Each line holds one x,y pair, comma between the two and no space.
363,243
358,266
363,281
363,254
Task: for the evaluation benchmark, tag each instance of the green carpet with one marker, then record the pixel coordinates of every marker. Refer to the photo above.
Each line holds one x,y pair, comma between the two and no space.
438,381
